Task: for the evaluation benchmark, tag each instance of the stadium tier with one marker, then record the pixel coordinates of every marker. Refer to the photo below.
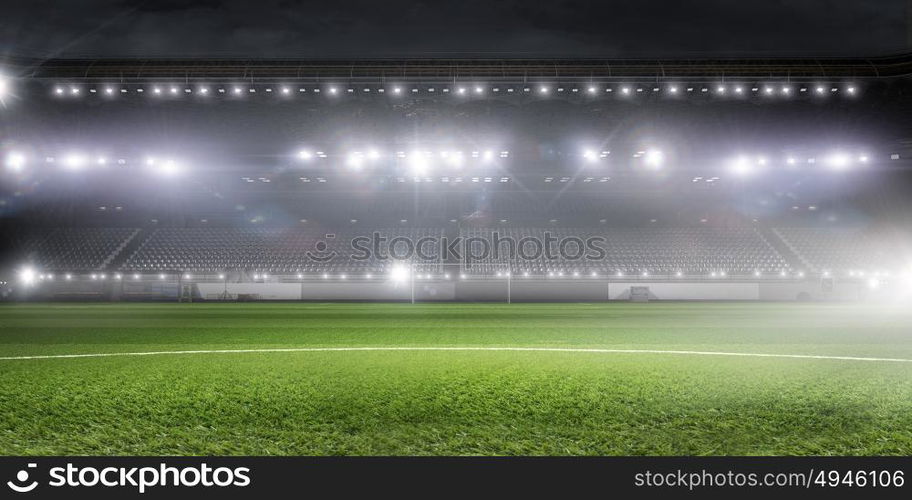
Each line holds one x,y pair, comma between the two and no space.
694,251
660,251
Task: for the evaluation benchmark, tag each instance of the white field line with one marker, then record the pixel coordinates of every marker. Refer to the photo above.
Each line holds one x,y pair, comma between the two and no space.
502,349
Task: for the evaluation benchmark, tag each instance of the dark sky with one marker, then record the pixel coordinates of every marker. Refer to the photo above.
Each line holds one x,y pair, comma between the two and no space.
395,28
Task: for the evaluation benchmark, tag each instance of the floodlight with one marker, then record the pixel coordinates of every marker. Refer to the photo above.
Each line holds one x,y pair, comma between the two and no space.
591,90
27,276
654,158
355,160
305,154
741,166
679,274
109,90
15,161
371,276
4,86
118,276
850,90
399,274
418,162
462,276
373,154
161,276
838,161
873,283
204,90
333,90
343,276
286,90
135,276
625,90
68,277
168,168
590,155
543,90
186,276
74,161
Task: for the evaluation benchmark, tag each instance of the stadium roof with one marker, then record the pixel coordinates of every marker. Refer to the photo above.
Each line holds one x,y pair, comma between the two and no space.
519,70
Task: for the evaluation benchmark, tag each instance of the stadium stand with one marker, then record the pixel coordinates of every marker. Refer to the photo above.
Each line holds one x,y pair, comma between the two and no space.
264,250
75,249
845,249
659,251
633,251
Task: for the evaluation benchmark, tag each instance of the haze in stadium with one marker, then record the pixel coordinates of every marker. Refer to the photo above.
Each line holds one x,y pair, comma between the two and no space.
479,229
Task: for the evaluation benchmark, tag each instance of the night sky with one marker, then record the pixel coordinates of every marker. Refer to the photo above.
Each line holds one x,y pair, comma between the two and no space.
395,28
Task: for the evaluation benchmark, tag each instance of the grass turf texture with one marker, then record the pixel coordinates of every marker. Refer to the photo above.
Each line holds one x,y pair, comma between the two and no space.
455,403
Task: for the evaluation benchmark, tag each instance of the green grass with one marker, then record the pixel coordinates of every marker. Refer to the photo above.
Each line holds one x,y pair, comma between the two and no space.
455,403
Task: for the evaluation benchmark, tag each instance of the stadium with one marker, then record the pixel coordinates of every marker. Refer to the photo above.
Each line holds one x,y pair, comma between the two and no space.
456,257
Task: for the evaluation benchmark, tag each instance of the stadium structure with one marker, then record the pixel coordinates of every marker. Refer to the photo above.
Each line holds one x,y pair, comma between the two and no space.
456,180
480,190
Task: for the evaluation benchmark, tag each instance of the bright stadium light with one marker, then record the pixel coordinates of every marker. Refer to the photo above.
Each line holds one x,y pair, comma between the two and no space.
74,161
741,166
418,162
355,160
15,161
654,158
4,87
27,276
590,155
167,168
838,161
399,274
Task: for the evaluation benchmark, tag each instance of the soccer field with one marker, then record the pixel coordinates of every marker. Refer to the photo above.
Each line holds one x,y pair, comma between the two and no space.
561,379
